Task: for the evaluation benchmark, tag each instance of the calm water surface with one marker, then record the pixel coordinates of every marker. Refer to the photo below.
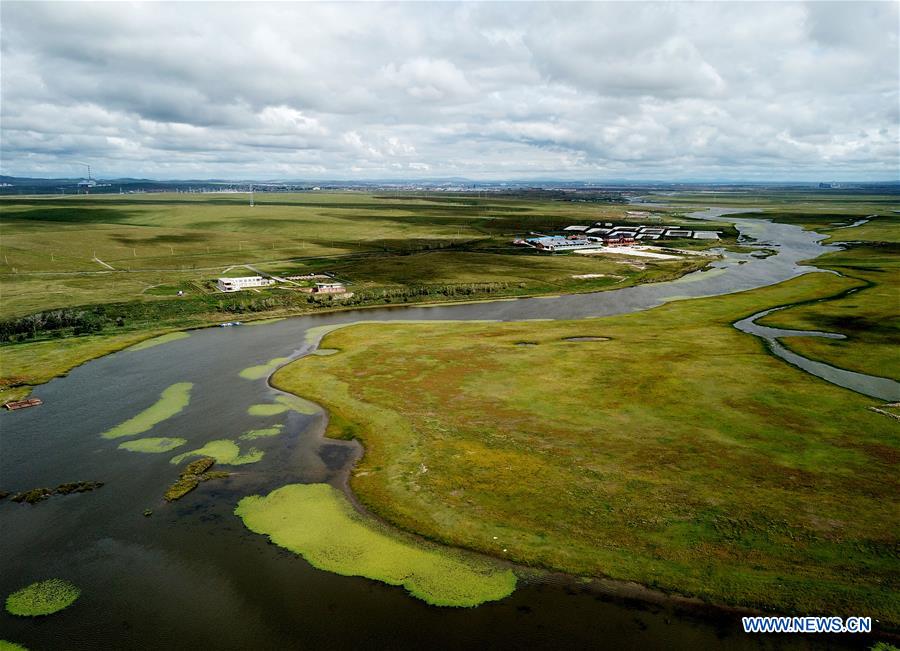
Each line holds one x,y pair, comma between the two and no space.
192,576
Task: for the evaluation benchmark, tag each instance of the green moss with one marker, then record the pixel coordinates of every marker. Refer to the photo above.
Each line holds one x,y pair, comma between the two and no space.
224,451
315,521
171,401
265,432
152,445
42,598
156,341
263,370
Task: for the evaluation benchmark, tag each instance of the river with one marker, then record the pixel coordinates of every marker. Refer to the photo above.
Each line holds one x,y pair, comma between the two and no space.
193,576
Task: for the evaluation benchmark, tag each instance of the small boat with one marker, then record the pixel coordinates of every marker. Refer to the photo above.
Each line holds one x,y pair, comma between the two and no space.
22,404
229,324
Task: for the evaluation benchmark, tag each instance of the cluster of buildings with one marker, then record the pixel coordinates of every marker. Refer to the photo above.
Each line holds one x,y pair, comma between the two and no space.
249,282
241,283
605,234
606,230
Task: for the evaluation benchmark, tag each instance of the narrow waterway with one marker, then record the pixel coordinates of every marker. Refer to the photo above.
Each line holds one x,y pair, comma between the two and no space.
869,385
192,575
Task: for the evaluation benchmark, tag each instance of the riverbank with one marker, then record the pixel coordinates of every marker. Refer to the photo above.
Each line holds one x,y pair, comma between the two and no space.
680,454
28,364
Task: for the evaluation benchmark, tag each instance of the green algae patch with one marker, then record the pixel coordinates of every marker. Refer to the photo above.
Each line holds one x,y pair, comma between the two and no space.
262,433
298,404
267,409
5,645
224,451
152,445
171,401
157,341
316,521
42,598
263,370
283,404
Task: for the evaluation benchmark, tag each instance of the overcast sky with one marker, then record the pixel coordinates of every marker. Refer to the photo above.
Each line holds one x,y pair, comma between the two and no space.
596,91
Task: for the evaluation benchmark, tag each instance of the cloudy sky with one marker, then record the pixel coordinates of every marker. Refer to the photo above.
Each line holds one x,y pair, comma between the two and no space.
725,90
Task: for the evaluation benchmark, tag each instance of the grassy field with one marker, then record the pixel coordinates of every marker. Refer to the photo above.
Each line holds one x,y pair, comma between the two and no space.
110,267
82,250
673,451
869,317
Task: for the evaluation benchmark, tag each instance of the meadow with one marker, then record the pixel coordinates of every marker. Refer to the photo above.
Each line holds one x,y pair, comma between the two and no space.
667,448
82,250
85,275
869,314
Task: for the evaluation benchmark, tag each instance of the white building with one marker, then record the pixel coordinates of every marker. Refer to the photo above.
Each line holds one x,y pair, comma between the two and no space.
329,288
243,282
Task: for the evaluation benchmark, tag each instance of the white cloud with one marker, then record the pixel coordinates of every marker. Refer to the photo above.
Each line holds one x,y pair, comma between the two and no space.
587,90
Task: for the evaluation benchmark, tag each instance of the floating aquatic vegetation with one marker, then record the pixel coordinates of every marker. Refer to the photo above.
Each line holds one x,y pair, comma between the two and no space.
298,404
282,404
223,451
32,496
77,487
6,645
261,433
195,472
171,401
263,370
156,341
316,521
42,598
35,495
267,409
152,445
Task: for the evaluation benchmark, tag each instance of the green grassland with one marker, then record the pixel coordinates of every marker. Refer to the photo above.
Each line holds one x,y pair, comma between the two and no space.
869,316
674,451
154,245
108,268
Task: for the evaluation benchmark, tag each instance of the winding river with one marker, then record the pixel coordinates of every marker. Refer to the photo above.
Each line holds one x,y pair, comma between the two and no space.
193,576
